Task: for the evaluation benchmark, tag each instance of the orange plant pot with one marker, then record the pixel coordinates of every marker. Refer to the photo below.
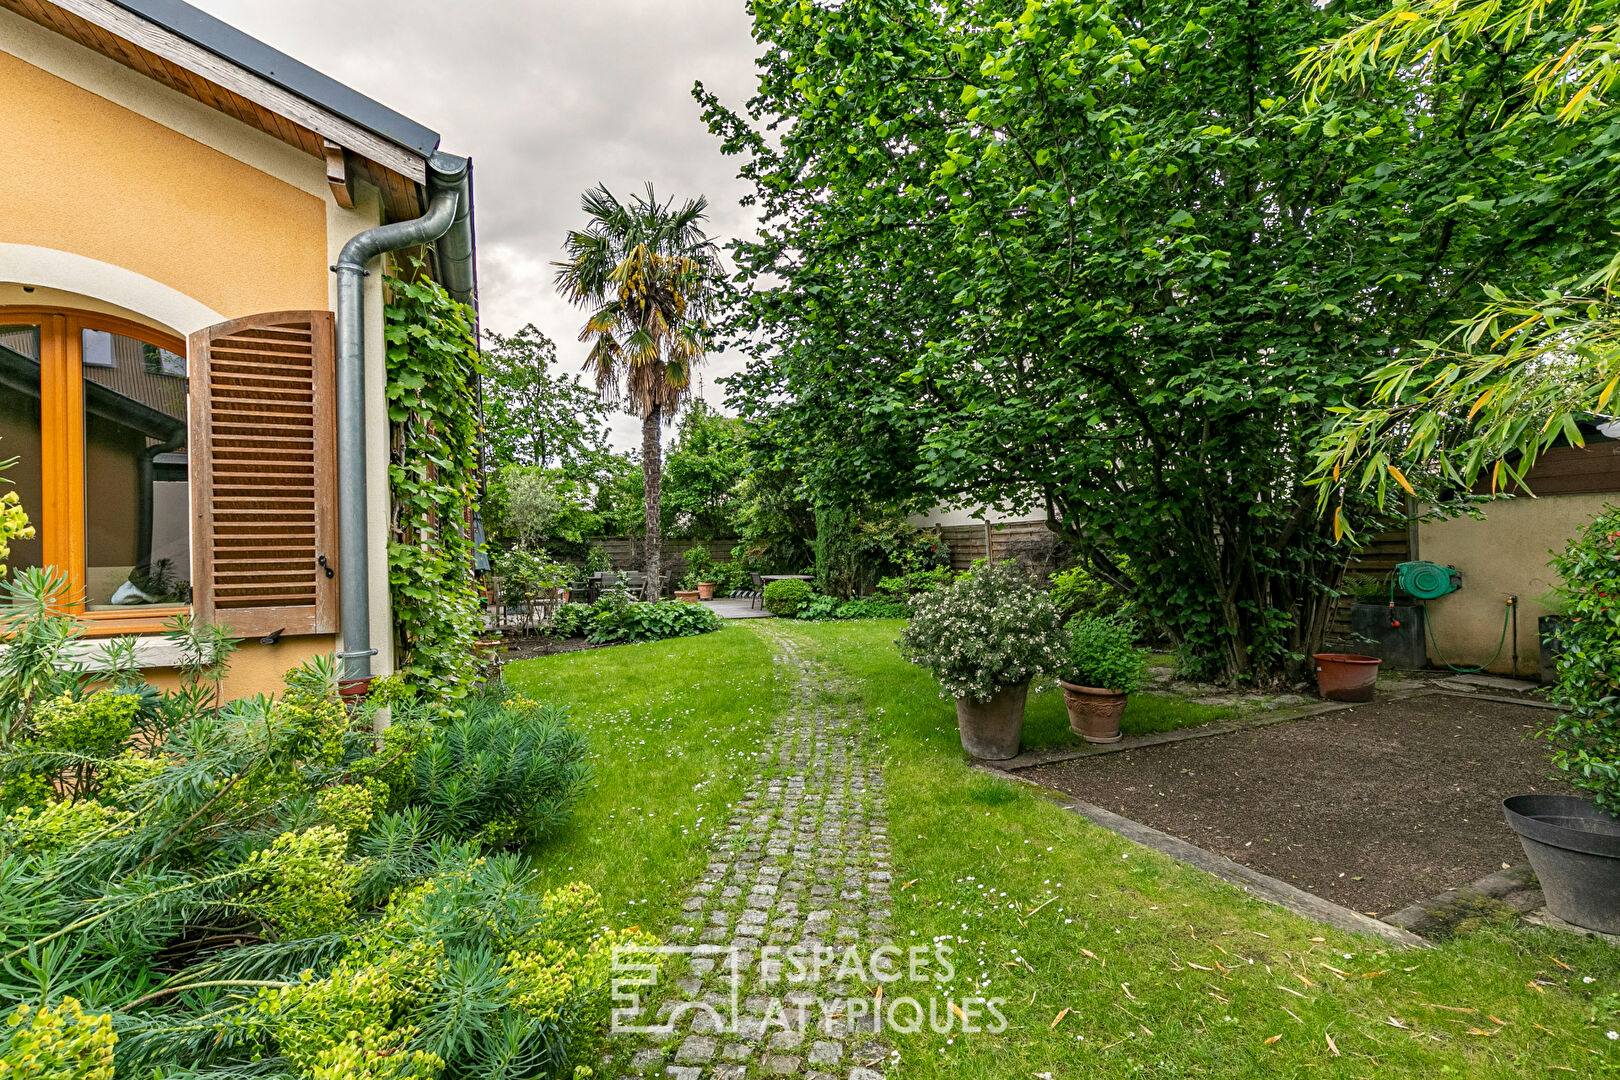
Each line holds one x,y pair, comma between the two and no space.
1346,676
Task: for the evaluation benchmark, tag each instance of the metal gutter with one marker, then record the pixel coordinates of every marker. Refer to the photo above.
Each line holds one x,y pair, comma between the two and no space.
253,55
448,220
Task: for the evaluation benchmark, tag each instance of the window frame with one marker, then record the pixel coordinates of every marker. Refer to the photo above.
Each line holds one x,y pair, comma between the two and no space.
61,518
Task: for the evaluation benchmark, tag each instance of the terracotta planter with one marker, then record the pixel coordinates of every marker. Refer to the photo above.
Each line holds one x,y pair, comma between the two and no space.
1094,713
686,596
993,729
1346,676
353,691
706,590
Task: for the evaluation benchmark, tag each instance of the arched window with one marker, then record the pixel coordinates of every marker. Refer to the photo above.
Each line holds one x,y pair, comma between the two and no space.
94,411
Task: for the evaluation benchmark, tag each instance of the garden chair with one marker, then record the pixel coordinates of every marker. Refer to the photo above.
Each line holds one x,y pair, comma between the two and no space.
756,592
635,583
607,580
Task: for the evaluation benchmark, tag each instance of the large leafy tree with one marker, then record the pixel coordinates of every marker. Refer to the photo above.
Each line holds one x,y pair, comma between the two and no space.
1537,356
704,474
1095,258
534,415
648,274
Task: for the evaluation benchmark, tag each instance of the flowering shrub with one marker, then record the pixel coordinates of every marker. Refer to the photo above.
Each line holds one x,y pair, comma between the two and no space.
1586,736
994,627
1103,653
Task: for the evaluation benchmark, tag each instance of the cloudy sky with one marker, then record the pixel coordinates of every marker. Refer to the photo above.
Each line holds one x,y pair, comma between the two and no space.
548,97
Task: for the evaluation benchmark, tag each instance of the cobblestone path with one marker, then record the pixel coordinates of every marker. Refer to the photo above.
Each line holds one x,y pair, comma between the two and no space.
802,868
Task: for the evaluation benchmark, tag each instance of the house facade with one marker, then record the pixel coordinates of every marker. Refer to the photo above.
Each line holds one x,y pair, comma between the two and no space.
192,367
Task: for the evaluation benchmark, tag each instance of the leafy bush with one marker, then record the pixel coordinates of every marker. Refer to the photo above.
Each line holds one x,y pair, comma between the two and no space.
1103,653
570,621
159,840
733,576
1076,592
818,607
994,627
785,598
597,560
870,607
1586,736
616,618
508,770
917,581
867,607
700,566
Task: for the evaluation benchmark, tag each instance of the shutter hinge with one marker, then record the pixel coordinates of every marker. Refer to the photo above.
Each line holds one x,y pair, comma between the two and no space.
321,562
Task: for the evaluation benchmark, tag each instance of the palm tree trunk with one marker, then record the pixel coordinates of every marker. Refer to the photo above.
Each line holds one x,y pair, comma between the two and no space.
652,484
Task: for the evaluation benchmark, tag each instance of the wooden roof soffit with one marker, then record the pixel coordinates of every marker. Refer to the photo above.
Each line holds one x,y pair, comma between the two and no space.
350,151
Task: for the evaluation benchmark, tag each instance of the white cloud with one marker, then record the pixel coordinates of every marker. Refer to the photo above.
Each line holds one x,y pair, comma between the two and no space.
548,98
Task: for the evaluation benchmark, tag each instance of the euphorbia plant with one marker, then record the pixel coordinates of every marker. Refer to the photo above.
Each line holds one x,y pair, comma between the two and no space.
1586,736
994,627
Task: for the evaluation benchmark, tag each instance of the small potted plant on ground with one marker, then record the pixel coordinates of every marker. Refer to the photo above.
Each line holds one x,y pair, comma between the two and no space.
700,572
1105,666
984,638
1573,843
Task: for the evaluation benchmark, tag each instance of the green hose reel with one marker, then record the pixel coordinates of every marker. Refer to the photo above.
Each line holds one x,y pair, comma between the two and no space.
1427,580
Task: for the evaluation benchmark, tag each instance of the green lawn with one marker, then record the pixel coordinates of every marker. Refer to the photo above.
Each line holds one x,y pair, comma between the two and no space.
1114,961
1046,721
671,724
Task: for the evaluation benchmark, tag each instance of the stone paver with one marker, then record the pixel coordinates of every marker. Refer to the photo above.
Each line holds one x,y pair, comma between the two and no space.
802,865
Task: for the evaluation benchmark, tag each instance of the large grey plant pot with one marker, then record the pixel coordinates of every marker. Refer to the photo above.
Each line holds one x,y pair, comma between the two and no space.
1574,848
992,729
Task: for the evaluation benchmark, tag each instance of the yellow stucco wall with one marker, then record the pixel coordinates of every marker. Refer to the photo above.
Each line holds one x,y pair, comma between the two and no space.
88,176
1504,554
255,668
106,164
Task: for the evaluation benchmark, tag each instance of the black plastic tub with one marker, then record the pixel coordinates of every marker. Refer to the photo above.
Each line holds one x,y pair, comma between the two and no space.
1574,849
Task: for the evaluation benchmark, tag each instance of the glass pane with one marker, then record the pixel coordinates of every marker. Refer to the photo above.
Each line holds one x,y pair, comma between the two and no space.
137,498
20,436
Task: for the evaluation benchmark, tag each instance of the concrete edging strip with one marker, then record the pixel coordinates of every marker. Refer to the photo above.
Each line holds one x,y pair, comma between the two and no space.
1263,886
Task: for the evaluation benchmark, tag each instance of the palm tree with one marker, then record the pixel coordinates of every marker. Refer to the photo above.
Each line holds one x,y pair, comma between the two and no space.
648,274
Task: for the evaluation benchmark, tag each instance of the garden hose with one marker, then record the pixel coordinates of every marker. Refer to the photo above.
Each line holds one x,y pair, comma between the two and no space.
1507,614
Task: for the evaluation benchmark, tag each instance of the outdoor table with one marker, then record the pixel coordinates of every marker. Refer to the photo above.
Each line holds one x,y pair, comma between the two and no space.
768,578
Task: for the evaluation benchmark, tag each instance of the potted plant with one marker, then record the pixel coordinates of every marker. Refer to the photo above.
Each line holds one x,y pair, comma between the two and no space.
1104,667
700,572
984,637
1573,843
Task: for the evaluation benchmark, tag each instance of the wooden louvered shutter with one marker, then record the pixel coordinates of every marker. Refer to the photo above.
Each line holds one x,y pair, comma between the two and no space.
264,474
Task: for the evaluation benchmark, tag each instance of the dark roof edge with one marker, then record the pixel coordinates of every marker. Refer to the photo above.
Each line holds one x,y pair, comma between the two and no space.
251,54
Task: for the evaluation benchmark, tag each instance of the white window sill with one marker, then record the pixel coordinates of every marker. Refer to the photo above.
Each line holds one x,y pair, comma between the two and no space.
150,652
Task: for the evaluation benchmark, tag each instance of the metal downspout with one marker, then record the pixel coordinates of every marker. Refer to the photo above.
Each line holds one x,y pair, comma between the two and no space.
449,212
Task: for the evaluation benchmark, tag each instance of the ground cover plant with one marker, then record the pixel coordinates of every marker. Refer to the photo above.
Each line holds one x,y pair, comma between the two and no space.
616,619
265,887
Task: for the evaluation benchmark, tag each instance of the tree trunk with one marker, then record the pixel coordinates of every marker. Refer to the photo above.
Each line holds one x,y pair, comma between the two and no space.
652,484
